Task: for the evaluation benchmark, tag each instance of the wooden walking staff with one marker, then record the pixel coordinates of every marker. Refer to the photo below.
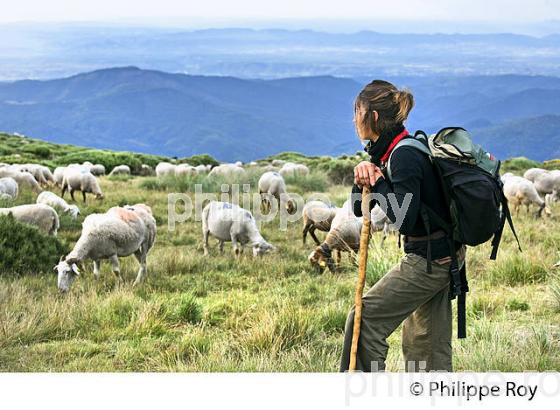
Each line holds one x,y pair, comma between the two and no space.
364,245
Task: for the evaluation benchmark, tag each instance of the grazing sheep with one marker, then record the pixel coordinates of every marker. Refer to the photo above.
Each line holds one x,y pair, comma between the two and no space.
121,231
521,191
34,169
146,170
22,178
238,163
53,200
272,184
380,222
182,170
164,169
58,175
290,169
8,188
78,179
277,162
97,170
227,171
120,170
40,215
201,169
533,173
229,222
317,215
344,235
547,183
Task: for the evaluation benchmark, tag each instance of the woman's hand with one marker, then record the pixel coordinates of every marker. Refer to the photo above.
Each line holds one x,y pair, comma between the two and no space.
366,173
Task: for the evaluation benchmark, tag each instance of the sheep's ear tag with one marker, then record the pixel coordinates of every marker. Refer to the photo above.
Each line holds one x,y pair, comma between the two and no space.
75,269
322,264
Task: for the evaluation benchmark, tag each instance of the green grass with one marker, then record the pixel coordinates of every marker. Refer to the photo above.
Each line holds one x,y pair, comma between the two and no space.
268,314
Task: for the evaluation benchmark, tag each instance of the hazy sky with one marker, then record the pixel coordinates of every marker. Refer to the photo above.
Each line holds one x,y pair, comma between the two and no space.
247,10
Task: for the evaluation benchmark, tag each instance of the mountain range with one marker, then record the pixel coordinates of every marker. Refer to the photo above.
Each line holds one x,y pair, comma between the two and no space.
150,111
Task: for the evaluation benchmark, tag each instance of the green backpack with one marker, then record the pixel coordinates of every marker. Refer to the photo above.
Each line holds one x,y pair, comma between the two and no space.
473,192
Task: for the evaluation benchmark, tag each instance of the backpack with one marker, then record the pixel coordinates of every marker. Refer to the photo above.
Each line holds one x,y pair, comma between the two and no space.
473,191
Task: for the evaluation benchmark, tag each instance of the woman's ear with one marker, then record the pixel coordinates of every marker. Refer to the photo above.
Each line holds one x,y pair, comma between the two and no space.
375,116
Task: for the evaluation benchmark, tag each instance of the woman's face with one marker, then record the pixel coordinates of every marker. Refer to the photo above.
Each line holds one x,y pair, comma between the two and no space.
364,131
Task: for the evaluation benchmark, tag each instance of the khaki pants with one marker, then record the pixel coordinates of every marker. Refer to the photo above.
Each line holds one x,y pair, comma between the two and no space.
406,292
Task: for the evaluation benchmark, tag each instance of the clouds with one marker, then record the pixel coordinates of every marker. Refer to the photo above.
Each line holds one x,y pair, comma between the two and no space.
246,10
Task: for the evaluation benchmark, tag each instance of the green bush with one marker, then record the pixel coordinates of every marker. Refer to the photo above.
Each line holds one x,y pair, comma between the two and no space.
339,171
24,249
519,165
107,158
201,159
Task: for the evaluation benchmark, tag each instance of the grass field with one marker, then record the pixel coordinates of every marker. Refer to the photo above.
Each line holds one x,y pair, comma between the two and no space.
268,314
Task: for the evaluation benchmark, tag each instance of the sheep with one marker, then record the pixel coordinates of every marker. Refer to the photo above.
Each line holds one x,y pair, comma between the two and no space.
229,222
520,191
33,169
8,188
146,170
185,170
120,170
121,231
164,169
533,173
97,170
547,183
40,215
238,163
22,178
53,200
227,171
201,169
272,184
344,235
277,162
78,179
58,175
292,170
381,222
317,215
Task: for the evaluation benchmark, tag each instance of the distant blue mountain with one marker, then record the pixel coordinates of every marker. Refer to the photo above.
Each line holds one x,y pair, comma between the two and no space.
241,119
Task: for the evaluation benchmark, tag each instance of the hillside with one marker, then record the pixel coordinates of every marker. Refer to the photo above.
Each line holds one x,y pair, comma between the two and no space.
177,115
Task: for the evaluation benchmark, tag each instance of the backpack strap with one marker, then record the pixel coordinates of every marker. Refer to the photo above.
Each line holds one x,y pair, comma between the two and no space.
419,141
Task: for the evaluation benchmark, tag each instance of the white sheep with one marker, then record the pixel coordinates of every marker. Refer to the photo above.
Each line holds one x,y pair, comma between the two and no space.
182,170
121,231
289,169
146,170
8,188
317,215
344,236
79,179
58,175
202,169
53,200
229,222
547,183
532,173
164,169
97,169
520,191
381,222
22,178
227,171
34,169
271,184
42,216
120,170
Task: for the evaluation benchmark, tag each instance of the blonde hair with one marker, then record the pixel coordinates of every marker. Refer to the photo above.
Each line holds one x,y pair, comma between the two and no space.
391,104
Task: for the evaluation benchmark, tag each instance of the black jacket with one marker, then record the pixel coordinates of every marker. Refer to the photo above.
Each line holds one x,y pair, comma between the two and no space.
412,172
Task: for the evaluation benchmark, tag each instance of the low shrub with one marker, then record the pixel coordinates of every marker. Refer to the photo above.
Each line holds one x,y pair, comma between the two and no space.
24,249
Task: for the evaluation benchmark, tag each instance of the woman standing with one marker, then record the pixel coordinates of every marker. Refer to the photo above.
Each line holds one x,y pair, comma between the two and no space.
408,292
